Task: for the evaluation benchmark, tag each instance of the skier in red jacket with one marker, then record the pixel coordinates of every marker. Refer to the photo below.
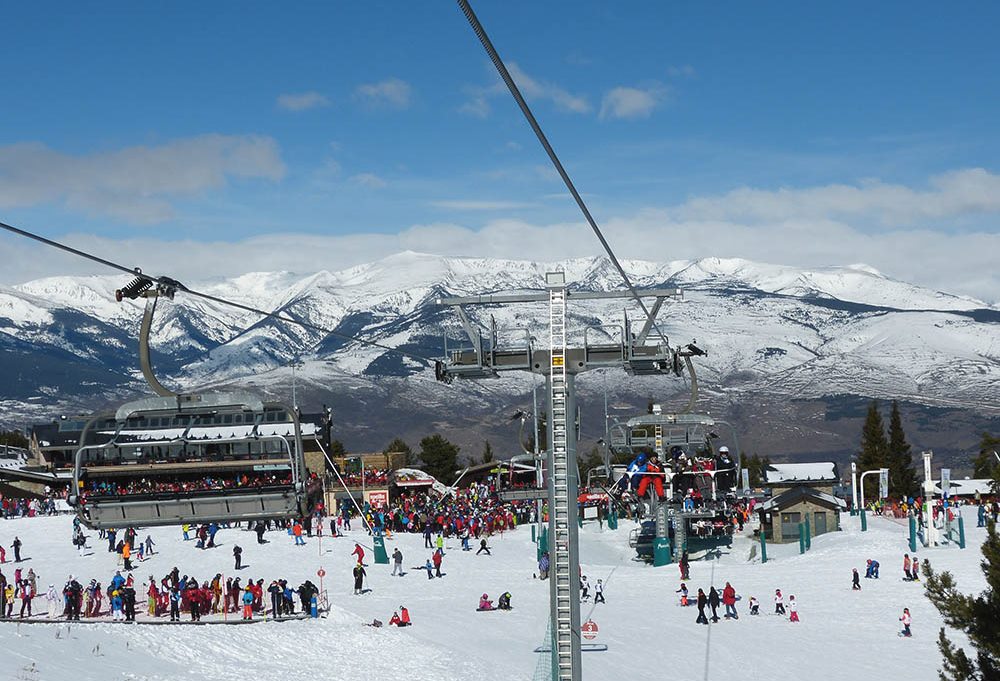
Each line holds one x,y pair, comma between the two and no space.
729,600
359,552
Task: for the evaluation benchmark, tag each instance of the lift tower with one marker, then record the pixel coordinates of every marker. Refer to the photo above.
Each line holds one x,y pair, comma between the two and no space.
637,354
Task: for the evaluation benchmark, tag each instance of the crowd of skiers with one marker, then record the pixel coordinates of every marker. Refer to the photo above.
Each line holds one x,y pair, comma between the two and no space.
20,507
174,595
473,512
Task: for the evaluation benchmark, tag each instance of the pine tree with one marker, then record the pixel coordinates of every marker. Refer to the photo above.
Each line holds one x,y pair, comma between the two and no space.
487,452
976,616
589,462
440,457
399,445
985,464
12,438
902,476
337,449
874,449
756,466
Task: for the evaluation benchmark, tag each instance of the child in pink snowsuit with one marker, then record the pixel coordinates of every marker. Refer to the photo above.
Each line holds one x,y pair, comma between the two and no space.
793,614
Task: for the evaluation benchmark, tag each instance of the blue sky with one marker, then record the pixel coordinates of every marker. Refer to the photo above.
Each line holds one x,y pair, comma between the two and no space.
371,127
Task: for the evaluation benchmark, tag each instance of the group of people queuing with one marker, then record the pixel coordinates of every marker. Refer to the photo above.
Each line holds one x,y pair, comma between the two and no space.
22,507
472,513
174,595
941,509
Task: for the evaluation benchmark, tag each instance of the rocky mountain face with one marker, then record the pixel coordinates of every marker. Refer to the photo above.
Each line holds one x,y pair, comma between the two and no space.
794,354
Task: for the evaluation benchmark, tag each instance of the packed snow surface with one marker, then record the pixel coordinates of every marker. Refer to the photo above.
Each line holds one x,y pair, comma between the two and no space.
842,633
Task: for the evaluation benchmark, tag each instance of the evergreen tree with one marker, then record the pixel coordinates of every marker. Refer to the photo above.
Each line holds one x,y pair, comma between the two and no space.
874,450
440,457
12,438
337,449
589,462
756,466
985,464
976,616
902,476
399,445
487,452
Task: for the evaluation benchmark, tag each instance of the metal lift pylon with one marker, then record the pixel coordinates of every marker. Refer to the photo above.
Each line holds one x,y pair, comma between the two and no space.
637,354
564,551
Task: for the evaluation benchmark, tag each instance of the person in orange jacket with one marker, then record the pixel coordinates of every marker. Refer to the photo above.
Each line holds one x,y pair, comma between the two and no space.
297,531
654,475
127,555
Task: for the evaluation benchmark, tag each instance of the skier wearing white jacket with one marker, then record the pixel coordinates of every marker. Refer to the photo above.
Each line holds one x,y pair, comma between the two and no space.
53,598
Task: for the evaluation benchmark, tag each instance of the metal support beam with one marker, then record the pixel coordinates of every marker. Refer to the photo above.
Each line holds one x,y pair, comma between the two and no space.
541,297
650,320
474,335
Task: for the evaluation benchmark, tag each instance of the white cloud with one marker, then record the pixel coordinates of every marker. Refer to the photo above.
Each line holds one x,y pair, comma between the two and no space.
302,101
461,204
682,71
531,88
370,180
478,106
392,93
631,102
959,192
962,262
134,184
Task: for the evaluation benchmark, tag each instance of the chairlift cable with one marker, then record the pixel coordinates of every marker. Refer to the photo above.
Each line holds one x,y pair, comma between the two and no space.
166,281
480,32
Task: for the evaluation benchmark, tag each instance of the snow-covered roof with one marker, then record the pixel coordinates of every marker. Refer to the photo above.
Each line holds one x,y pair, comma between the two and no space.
967,487
821,471
412,477
785,498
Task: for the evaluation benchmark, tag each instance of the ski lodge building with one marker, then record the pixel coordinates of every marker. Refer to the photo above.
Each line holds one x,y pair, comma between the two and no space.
800,492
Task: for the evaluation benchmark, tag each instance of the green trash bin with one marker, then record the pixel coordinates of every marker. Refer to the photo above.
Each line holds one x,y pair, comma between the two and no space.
381,557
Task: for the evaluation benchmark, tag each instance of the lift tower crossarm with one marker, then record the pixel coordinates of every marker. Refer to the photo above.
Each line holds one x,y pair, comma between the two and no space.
542,297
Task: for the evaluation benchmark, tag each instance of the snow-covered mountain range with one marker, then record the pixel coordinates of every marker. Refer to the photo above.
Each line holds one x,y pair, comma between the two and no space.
773,333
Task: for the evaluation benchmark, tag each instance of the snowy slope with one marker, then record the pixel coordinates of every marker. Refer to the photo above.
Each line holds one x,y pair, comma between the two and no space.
842,633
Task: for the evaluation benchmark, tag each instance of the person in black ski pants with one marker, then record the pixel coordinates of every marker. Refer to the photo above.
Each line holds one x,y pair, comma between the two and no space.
702,602
129,604
276,599
17,549
175,605
238,555
483,547
713,602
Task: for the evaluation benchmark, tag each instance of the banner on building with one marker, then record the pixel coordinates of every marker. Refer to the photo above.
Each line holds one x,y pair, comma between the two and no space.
377,497
945,480
746,479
